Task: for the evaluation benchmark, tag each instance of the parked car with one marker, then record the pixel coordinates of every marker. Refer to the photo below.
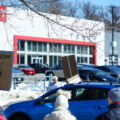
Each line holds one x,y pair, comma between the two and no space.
110,69
55,71
17,74
39,68
86,65
58,71
26,69
96,75
88,100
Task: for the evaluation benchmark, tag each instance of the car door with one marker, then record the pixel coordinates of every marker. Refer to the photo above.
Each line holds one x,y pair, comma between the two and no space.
86,104
45,104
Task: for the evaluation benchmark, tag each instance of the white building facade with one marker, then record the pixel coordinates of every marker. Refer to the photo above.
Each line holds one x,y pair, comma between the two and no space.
34,38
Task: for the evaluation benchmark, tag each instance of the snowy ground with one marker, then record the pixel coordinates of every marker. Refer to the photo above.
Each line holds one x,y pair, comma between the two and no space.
24,91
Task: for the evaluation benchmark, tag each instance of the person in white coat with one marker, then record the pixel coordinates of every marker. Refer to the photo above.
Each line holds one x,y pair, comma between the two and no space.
61,111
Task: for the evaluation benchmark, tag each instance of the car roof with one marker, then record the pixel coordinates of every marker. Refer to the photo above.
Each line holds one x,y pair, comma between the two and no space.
96,84
107,85
90,69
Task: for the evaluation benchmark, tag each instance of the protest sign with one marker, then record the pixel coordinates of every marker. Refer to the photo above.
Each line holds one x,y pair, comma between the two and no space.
6,63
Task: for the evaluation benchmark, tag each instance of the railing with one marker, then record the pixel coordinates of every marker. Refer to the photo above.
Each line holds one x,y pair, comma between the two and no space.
35,83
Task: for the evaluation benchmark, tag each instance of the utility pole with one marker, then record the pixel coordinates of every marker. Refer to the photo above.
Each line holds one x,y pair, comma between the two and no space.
113,34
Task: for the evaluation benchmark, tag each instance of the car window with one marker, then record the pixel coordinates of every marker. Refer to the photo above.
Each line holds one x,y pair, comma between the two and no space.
103,68
51,97
103,93
72,91
90,93
86,93
89,74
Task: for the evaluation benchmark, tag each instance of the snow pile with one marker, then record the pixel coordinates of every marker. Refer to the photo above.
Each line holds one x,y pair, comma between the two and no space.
23,91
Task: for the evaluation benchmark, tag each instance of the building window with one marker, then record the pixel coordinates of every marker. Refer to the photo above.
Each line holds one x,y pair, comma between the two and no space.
34,46
91,60
29,59
51,47
77,36
91,50
73,48
84,49
39,46
51,61
69,48
44,47
29,47
78,49
78,60
65,48
83,37
21,45
21,59
59,48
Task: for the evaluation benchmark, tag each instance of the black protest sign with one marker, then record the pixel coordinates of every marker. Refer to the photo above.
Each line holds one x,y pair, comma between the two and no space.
6,63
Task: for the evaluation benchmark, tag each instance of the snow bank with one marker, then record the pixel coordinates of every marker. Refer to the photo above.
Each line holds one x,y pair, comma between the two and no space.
23,92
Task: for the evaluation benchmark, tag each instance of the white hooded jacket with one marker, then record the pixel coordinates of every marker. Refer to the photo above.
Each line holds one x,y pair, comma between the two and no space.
61,111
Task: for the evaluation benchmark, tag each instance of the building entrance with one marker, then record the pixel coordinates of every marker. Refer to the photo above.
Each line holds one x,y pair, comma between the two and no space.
37,60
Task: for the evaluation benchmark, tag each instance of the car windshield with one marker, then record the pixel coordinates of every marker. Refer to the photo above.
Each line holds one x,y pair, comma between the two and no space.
24,66
114,68
99,73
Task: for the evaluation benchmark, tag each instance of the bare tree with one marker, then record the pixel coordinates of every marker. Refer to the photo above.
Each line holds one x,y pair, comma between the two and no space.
56,7
108,17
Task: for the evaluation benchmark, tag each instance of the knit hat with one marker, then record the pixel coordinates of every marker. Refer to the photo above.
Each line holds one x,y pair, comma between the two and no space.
114,94
62,98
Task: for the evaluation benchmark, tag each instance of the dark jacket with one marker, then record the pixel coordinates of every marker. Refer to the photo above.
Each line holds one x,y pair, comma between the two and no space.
112,114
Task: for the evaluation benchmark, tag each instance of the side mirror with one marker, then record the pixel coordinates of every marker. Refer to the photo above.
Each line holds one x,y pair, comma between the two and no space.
39,101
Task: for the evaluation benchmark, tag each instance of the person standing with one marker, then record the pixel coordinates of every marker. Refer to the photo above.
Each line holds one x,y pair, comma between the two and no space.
54,84
114,106
61,111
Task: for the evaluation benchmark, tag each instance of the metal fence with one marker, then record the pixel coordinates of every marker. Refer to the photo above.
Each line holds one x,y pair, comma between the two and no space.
34,82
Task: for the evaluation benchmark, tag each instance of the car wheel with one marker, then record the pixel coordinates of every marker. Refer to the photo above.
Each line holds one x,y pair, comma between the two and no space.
19,117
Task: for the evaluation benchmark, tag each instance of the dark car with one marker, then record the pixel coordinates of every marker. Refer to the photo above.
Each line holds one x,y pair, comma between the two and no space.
88,100
110,69
39,68
86,65
96,75
27,69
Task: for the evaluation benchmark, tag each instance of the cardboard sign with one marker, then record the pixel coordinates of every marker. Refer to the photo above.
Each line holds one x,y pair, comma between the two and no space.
6,63
74,79
69,66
